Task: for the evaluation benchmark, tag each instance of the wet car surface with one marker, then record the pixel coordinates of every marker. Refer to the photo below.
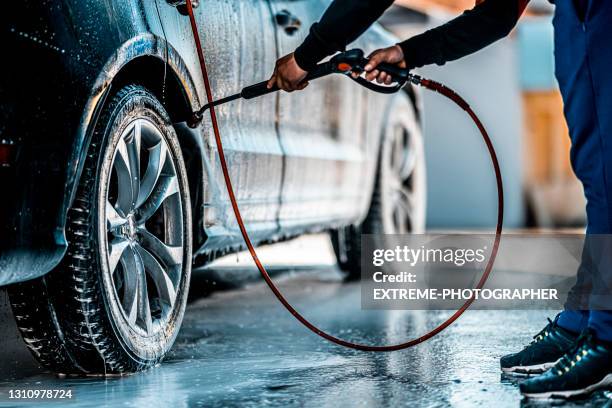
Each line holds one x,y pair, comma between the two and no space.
241,348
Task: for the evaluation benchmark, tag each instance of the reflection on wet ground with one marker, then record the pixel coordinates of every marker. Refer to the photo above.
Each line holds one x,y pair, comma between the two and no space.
240,348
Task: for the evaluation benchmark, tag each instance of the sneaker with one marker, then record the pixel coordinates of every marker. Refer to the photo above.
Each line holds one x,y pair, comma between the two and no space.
586,368
542,353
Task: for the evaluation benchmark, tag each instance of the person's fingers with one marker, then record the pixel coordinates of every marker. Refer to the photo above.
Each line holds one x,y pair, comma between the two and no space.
388,80
375,58
302,85
286,85
295,85
372,74
355,75
290,85
272,80
381,77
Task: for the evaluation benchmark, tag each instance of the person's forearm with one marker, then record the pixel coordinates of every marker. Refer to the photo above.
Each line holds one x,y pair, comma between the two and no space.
468,33
342,23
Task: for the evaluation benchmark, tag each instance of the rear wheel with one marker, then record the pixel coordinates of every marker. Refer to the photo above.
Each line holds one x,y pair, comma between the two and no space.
117,300
399,198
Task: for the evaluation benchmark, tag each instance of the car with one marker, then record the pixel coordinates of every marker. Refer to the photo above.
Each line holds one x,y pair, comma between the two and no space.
110,199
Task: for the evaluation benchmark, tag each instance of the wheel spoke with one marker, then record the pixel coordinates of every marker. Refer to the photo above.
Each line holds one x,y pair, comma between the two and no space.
133,141
405,202
124,178
409,164
169,255
163,283
113,218
116,250
400,220
131,269
166,187
399,150
144,309
394,183
157,159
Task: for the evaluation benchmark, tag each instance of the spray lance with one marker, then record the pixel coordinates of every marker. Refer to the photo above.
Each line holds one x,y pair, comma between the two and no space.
344,63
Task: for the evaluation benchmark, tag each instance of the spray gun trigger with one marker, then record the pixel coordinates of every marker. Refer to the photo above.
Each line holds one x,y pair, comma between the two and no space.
345,67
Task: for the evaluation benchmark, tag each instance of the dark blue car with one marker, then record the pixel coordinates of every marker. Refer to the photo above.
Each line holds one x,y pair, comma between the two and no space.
108,199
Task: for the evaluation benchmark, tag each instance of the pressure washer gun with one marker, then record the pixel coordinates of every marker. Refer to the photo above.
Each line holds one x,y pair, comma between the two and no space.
342,63
346,63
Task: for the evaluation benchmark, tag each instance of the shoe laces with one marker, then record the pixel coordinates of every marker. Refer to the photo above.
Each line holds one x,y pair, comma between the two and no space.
575,354
543,333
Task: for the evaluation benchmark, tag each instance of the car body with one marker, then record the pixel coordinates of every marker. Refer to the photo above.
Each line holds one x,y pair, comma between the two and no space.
300,162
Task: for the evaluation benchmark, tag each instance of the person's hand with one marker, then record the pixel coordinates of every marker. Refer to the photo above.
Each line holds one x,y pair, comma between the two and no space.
391,55
288,75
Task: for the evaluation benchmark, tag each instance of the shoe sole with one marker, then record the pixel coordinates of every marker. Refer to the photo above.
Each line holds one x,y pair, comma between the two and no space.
605,383
528,370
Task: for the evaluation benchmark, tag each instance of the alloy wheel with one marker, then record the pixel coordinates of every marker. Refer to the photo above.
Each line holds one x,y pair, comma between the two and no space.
144,223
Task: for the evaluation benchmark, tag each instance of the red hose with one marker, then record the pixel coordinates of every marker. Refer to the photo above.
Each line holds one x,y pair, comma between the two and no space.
230,190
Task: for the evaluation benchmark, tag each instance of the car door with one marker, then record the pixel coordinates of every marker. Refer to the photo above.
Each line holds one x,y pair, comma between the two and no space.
239,44
320,132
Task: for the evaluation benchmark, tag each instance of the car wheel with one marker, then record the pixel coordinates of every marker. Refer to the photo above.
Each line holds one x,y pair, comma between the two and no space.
399,198
116,302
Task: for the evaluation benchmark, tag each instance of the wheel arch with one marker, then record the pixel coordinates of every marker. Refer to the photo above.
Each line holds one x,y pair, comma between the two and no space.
154,74
149,61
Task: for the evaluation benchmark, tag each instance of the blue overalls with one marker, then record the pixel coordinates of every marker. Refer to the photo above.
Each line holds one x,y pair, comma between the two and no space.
583,66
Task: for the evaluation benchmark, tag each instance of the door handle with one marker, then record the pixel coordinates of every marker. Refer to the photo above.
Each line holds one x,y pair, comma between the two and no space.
181,5
289,22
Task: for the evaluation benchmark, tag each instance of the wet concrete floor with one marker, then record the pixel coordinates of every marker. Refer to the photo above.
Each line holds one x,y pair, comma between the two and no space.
240,348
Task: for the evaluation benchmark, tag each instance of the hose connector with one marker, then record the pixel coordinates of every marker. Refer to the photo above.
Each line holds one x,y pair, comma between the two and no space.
414,79
195,119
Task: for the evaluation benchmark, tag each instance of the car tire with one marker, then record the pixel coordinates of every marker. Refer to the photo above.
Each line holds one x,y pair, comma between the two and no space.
398,200
116,302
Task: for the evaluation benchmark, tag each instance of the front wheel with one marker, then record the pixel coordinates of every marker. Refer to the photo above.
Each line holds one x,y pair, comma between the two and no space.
399,198
117,300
